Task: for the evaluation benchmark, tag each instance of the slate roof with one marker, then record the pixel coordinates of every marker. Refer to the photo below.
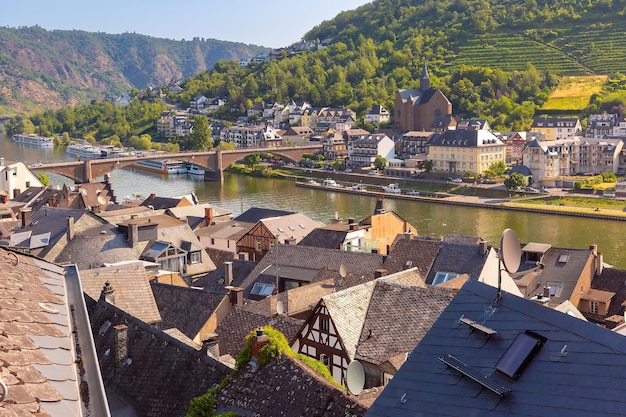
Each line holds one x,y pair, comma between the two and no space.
215,280
160,203
458,254
464,138
612,280
164,373
417,252
520,169
240,321
577,372
185,309
357,264
322,237
131,286
254,214
28,194
41,324
398,316
287,387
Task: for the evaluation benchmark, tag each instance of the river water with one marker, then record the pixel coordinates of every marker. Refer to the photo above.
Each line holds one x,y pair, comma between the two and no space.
238,193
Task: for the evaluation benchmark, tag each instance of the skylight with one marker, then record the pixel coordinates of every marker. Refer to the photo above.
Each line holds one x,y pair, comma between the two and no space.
520,353
443,277
263,290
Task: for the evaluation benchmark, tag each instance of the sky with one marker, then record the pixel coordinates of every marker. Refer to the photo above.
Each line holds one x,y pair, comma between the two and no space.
270,23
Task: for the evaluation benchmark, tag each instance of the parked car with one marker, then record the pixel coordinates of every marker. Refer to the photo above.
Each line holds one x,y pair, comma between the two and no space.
455,180
531,190
412,192
373,172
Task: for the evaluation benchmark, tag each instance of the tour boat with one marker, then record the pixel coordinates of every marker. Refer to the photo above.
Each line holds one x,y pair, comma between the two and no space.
194,169
32,139
162,166
83,151
392,188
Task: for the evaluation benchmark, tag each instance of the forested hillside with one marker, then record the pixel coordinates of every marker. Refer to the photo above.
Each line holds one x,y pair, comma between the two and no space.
50,69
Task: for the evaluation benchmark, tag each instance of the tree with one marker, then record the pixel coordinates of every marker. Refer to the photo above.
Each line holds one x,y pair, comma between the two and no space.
201,136
380,162
496,169
514,180
427,166
251,160
44,179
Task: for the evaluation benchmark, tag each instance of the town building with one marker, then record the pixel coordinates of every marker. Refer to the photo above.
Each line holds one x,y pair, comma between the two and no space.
557,128
363,150
377,114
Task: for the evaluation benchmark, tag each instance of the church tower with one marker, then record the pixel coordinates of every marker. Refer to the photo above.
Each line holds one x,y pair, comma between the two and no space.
425,80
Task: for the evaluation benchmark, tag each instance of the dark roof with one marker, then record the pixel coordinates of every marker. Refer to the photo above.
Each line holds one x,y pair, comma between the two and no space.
398,316
577,372
28,194
465,138
325,238
185,309
612,280
406,253
235,327
215,280
284,386
163,373
160,203
309,258
254,214
460,255
521,169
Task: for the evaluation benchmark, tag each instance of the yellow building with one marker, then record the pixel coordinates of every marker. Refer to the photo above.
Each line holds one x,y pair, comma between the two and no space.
465,150
556,128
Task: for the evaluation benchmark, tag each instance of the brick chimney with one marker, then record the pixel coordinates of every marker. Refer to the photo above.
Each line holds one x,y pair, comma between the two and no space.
208,216
379,209
26,216
236,296
379,273
121,343
108,293
210,345
259,340
70,228
482,247
133,235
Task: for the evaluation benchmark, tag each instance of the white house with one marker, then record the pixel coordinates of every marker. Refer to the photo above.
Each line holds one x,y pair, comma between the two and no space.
363,150
377,114
15,178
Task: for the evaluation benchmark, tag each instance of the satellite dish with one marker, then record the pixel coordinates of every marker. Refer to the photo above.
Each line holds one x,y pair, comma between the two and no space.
102,200
280,307
510,251
355,377
342,271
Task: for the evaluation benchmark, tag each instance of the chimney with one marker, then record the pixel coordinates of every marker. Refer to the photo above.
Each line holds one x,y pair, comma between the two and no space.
133,235
228,273
335,219
290,241
16,192
259,340
594,249
152,196
26,216
208,216
379,209
121,343
353,226
482,247
351,220
70,228
210,346
599,266
236,296
108,293
379,273
546,291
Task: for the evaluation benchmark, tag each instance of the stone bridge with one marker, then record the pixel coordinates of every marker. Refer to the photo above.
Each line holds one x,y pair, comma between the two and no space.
213,162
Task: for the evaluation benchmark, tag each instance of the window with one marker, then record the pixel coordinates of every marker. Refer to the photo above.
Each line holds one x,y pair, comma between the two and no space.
195,257
324,324
443,277
593,307
261,289
325,359
519,354
258,245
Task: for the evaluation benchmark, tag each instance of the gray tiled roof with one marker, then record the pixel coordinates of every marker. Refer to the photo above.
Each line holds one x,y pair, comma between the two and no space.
164,373
406,253
215,280
458,254
612,280
186,309
577,372
285,386
254,214
324,238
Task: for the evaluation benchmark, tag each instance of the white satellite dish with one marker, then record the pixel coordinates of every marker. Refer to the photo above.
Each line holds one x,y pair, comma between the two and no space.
342,271
355,377
510,251
102,200
280,307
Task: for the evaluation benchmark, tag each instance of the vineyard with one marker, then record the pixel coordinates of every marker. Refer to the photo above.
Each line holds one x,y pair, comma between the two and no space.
561,50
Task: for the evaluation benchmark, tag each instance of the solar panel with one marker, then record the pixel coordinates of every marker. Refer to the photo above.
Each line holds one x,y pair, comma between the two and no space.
520,353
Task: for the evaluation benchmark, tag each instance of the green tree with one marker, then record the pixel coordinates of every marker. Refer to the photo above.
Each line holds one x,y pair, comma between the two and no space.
427,166
251,160
496,169
44,179
380,162
514,180
201,136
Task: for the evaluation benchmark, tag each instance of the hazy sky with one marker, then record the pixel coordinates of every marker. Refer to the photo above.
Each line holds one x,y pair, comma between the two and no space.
271,23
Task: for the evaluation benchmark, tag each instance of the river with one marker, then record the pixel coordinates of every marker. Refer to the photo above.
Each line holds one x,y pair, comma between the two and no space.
238,193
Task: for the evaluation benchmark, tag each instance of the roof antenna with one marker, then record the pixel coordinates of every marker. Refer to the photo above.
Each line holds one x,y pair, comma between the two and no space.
510,257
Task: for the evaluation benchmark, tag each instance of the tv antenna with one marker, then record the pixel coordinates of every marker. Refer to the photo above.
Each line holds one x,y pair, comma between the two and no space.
510,257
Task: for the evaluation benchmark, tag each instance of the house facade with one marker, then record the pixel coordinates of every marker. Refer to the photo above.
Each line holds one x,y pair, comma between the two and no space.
557,128
362,151
377,114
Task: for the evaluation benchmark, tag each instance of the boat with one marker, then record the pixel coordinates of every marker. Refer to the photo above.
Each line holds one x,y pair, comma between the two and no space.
32,139
162,166
329,182
313,182
392,188
111,151
358,187
83,151
194,169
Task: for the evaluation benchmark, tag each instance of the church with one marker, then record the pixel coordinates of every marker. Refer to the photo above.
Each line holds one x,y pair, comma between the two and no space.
418,109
